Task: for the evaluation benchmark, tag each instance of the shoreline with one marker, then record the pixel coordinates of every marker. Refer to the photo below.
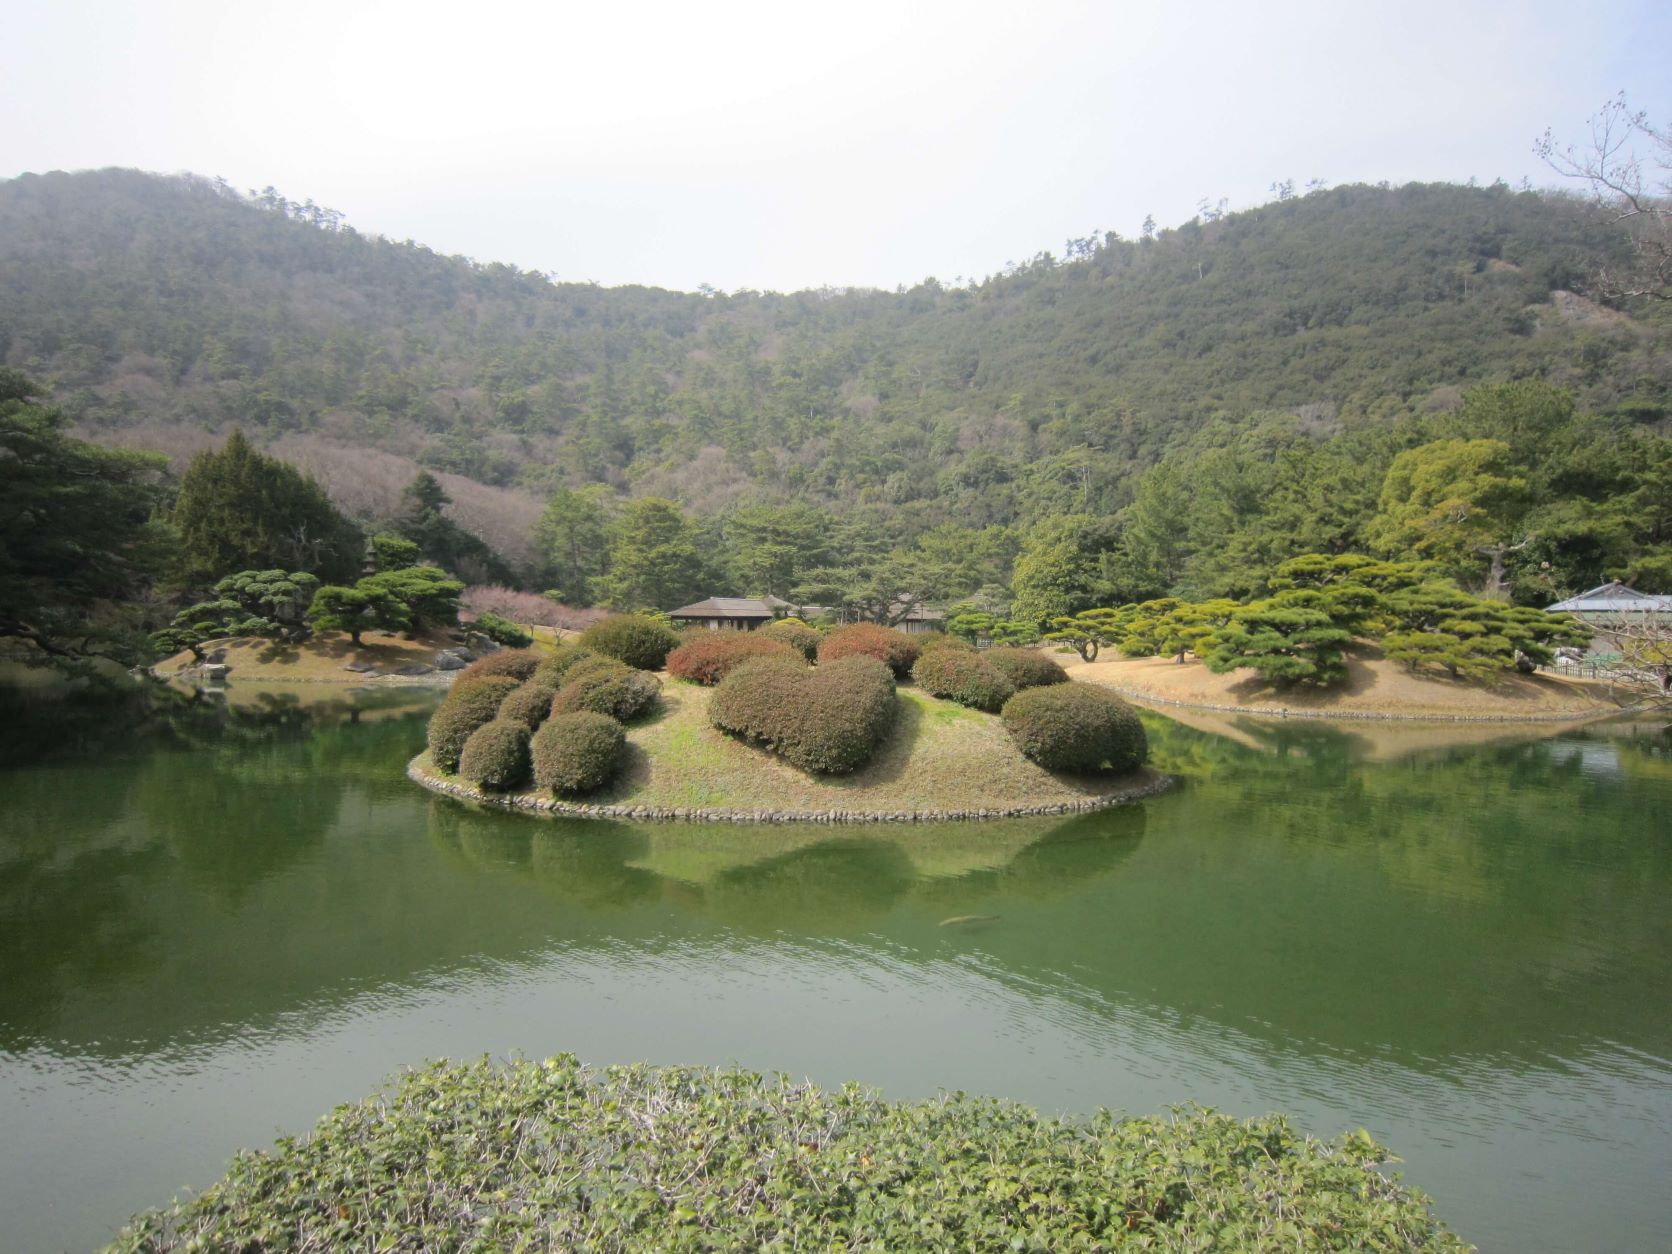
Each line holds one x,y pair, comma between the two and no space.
1149,782
1354,716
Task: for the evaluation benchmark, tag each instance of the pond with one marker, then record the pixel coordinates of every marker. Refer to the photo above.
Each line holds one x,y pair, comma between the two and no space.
216,923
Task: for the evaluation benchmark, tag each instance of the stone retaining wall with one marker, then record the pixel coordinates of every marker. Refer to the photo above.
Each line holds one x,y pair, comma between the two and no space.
1368,716
1151,783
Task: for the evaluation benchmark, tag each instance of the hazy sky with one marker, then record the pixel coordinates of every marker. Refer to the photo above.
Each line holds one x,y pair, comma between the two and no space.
790,145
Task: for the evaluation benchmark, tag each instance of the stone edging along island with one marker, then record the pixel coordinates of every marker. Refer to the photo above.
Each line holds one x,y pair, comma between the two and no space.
1150,783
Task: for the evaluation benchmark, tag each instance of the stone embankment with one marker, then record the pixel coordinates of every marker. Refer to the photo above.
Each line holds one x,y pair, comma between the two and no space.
1145,783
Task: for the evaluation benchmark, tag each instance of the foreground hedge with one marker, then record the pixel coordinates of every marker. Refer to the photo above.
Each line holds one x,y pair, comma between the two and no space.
556,1156
828,720
495,758
1026,668
1076,727
895,649
469,704
639,642
707,657
963,676
576,752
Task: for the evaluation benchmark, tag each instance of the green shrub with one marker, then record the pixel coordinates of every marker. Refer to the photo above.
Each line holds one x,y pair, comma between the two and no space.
1076,727
531,704
895,649
606,687
577,751
502,630
554,1155
495,758
1026,668
707,657
642,643
555,665
795,633
828,720
469,704
963,676
519,664
941,640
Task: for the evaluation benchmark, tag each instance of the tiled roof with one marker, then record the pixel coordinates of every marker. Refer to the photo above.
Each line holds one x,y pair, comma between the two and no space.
724,607
1612,598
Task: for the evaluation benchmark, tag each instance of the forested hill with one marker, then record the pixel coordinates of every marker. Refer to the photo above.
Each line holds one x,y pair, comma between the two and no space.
151,302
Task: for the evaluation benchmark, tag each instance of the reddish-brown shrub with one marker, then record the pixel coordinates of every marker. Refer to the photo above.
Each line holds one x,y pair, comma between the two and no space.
469,704
941,640
1026,668
828,720
894,649
519,664
964,677
1076,727
707,657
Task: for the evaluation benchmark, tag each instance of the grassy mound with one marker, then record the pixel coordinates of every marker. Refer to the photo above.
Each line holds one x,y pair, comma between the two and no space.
554,1155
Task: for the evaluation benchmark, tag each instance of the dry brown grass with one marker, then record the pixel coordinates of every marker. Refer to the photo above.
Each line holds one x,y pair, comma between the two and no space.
320,660
1375,687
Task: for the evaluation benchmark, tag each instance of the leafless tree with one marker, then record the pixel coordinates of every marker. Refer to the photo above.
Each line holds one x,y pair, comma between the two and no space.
1627,168
1642,679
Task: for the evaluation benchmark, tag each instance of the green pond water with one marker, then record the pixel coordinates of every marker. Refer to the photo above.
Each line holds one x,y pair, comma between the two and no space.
217,923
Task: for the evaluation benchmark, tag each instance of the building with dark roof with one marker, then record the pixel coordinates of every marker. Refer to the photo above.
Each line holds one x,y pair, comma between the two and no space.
736,613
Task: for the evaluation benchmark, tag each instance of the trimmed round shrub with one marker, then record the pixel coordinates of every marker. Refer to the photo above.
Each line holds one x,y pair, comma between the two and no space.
519,664
577,751
642,643
502,630
495,758
795,633
469,704
941,640
967,678
828,720
1026,668
1076,727
555,665
530,704
894,649
607,688
707,657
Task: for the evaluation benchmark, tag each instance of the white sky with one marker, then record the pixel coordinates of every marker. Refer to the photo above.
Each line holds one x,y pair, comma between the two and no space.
791,145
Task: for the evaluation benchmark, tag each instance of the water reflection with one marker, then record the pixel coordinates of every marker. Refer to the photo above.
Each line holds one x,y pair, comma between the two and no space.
1452,941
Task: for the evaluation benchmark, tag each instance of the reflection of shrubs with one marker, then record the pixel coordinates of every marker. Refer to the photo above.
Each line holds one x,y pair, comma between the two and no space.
495,757
829,720
895,649
1076,727
795,633
1026,668
707,657
607,688
555,665
530,704
963,676
576,752
519,664
642,643
469,704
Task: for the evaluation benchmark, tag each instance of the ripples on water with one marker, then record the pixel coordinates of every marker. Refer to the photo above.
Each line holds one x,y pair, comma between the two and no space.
235,920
